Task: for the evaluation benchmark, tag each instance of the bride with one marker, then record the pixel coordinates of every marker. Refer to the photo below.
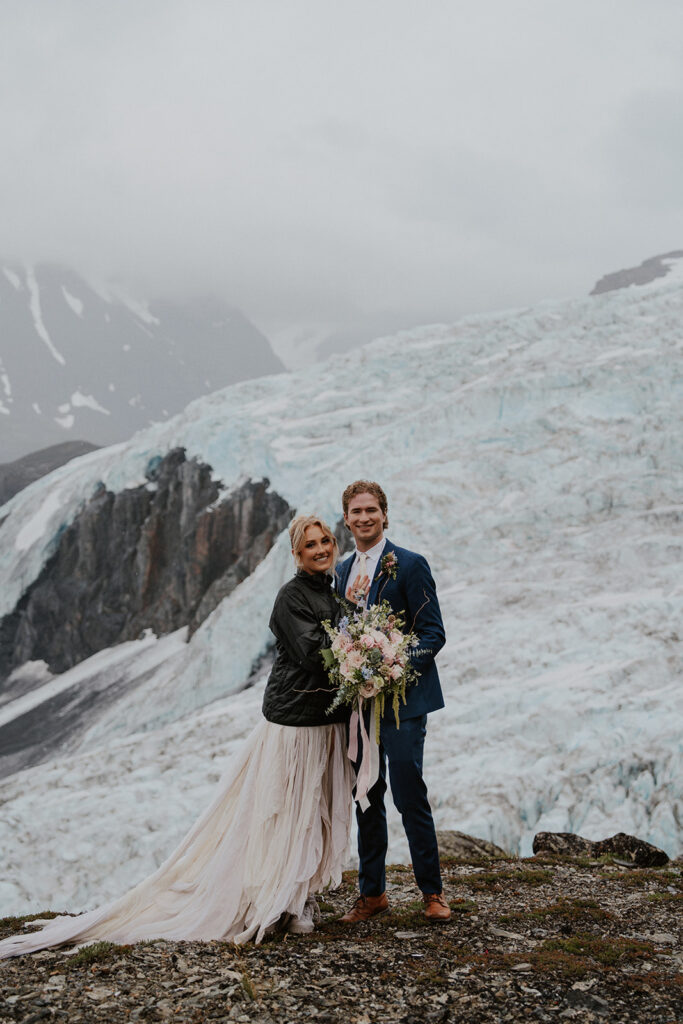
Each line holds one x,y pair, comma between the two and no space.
278,828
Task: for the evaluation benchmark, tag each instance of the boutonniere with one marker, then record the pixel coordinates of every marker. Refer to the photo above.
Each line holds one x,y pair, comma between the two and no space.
389,564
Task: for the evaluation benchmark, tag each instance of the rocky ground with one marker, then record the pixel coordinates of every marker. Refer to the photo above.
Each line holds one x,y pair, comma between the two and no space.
541,939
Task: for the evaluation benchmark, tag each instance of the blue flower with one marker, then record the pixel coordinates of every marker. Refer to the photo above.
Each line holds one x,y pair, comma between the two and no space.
366,672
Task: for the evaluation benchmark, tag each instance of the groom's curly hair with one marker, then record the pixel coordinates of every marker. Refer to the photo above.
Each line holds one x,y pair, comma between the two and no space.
366,487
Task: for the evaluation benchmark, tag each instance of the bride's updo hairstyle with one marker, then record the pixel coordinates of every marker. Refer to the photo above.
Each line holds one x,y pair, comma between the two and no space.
297,535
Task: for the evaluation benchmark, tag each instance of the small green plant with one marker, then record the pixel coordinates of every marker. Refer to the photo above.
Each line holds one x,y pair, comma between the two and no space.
607,951
248,987
462,906
640,878
98,952
558,961
15,923
481,881
665,897
570,910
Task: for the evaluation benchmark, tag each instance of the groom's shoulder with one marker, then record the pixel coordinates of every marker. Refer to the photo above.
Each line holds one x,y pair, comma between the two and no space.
405,555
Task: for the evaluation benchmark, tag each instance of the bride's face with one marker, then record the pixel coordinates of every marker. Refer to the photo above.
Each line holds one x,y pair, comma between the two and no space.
317,551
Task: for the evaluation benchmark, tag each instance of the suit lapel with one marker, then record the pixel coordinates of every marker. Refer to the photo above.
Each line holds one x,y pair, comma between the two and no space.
344,574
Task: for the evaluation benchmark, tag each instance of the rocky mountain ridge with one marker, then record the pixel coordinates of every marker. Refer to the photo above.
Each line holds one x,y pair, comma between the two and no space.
14,476
78,360
648,271
153,558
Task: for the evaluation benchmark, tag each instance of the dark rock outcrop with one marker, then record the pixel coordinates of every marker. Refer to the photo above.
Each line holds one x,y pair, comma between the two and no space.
159,556
625,848
464,847
649,270
344,537
14,476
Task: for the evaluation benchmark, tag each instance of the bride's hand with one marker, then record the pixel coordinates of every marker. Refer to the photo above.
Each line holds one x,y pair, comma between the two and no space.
357,590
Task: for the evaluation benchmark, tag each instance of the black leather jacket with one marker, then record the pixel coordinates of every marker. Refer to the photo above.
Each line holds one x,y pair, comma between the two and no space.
299,691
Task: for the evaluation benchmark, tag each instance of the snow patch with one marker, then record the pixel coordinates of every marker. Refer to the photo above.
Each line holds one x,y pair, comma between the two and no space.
36,312
34,529
675,269
78,399
13,278
75,304
36,408
138,308
66,422
5,382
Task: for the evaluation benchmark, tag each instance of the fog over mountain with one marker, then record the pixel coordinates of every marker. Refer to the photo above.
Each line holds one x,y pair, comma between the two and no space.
83,362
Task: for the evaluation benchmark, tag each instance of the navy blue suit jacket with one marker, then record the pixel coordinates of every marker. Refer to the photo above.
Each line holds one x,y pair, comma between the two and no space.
413,596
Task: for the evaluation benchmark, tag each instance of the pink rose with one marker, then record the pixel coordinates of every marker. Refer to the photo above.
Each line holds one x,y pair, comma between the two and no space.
396,672
367,641
354,659
368,689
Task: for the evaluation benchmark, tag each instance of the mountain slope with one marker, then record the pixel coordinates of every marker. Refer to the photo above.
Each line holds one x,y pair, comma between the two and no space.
18,474
76,361
534,457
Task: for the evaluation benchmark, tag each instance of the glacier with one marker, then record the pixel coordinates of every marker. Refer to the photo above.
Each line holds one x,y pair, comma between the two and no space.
535,457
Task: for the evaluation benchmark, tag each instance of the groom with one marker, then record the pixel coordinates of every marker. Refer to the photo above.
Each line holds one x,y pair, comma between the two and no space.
364,578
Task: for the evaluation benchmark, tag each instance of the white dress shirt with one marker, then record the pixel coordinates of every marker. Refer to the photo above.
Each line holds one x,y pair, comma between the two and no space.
372,557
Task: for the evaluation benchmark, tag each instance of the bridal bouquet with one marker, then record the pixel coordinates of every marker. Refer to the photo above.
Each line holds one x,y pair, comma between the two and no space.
369,659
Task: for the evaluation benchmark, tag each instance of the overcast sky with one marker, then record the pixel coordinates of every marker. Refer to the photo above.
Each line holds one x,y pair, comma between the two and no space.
318,160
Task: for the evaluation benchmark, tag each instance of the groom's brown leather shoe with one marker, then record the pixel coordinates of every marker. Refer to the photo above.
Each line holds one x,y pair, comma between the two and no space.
365,907
436,908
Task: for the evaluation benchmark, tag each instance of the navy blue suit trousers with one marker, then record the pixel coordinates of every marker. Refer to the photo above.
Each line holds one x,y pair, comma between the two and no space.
403,748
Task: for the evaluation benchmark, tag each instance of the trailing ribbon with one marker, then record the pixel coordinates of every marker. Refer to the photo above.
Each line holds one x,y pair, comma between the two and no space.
368,771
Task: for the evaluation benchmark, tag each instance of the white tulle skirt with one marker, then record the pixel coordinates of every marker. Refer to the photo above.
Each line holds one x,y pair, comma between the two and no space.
277,832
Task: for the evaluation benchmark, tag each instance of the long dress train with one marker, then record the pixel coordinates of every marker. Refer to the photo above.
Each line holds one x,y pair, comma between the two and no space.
277,832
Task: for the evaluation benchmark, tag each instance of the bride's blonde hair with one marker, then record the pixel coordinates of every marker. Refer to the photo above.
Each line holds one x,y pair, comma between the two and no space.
297,535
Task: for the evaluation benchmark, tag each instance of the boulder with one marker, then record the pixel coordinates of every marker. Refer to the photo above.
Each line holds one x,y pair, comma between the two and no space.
621,846
464,847
629,848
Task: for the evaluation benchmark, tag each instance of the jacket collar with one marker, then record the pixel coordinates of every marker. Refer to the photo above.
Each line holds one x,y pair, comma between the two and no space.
318,580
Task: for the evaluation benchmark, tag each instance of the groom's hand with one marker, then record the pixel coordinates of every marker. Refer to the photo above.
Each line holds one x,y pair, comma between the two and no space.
356,591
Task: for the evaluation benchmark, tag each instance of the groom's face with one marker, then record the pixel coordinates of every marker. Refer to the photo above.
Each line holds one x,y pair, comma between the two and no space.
365,520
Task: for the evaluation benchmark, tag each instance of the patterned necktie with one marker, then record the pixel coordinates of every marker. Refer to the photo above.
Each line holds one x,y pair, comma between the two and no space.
363,571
